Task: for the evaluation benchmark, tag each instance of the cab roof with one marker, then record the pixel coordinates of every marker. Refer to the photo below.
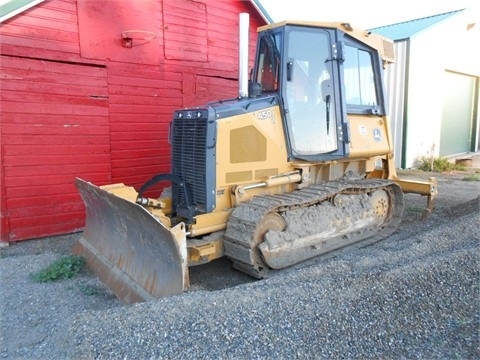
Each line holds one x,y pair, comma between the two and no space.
383,45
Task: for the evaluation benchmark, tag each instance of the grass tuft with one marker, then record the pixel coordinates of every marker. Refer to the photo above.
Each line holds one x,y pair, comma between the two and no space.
64,268
473,177
438,165
88,290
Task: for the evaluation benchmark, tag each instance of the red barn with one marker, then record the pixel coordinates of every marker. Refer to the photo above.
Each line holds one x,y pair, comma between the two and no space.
87,90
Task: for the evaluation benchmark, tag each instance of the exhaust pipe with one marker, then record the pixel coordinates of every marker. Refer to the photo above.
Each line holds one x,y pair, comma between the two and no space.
244,21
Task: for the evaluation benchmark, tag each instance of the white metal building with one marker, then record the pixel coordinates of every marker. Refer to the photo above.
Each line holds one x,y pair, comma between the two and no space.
433,87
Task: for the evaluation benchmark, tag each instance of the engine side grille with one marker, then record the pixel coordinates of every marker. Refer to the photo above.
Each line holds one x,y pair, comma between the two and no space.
190,162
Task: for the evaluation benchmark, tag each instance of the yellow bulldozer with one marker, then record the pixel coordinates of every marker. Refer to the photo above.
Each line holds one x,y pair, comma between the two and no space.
298,165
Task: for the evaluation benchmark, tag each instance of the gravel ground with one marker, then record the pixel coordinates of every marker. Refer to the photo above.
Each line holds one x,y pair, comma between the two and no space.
413,295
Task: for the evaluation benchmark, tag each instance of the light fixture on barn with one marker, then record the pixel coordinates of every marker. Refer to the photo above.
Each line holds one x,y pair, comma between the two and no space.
131,38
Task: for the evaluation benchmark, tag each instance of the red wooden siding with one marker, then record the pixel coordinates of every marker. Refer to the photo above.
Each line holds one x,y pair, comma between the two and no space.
141,104
101,24
211,89
75,102
54,128
185,30
49,30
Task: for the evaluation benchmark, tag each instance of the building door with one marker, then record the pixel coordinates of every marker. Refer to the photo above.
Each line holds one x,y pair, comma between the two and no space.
457,132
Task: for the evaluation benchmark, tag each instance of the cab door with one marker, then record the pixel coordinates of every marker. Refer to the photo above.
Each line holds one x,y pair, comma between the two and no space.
309,96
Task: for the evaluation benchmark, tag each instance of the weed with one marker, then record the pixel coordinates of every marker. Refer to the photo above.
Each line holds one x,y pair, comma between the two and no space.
473,177
64,268
438,165
88,290
415,209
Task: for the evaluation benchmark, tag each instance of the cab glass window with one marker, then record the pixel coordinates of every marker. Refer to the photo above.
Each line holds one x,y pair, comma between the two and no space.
359,78
268,62
309,93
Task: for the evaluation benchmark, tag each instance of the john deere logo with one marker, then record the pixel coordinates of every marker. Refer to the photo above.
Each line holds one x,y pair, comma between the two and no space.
377,135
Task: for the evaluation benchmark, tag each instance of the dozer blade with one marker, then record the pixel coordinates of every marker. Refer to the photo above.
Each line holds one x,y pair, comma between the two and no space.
133,253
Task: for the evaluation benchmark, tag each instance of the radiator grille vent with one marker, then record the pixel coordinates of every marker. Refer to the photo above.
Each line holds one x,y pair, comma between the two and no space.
189,161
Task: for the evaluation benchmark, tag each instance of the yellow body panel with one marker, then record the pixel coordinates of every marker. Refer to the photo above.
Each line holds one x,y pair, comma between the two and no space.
211,222
369,136
250,148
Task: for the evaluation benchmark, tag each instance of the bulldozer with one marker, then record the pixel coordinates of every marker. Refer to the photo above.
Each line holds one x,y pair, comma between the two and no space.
298,165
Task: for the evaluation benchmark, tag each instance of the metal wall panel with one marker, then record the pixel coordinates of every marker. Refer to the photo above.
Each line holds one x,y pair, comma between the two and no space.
395,84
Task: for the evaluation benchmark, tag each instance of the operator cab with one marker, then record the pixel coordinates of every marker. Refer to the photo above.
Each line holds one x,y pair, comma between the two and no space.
306,66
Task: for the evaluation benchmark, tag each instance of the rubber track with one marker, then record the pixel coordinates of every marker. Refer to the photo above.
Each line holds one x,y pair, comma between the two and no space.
247,216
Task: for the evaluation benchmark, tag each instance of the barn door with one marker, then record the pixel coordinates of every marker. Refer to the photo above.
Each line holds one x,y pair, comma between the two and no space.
54,128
